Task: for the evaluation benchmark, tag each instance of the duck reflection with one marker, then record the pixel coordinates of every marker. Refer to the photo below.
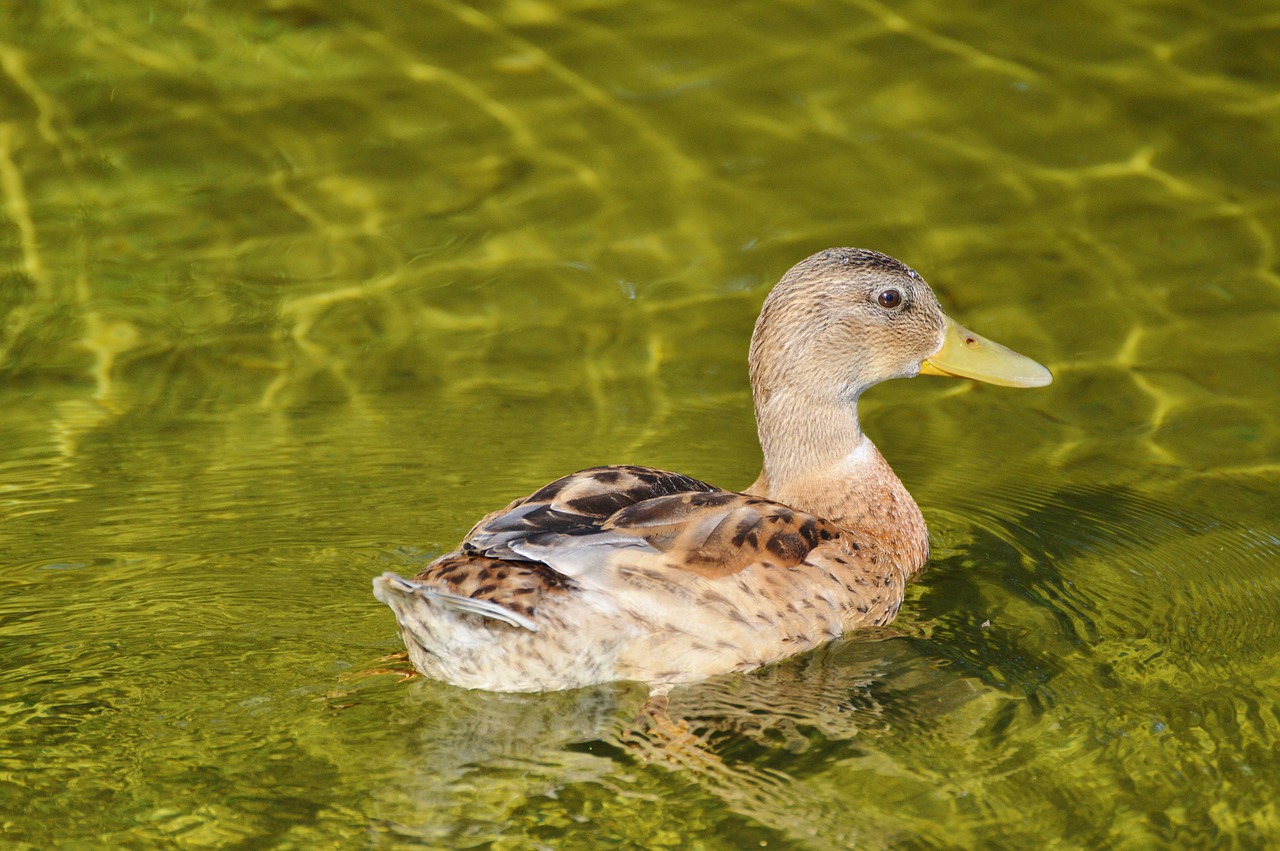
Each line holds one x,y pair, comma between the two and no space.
758,745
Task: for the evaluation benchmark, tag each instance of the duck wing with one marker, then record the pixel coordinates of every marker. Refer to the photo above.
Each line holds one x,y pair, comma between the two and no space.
495,572
584,522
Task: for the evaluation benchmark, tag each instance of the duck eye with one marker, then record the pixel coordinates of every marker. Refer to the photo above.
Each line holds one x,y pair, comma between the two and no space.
889,299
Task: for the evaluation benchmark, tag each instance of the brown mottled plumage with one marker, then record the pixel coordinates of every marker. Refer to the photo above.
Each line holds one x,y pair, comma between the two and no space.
630,573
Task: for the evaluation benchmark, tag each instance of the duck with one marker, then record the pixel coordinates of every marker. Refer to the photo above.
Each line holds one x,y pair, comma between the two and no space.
630,573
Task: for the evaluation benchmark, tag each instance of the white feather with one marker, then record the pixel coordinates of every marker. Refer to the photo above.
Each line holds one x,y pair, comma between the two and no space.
393,583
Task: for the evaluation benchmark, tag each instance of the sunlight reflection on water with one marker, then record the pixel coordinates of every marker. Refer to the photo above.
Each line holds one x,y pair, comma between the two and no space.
293,293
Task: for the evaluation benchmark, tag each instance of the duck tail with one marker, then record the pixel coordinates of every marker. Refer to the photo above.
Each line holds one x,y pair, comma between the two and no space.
393,589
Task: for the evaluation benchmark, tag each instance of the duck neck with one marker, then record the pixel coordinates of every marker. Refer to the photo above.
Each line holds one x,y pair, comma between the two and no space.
817,459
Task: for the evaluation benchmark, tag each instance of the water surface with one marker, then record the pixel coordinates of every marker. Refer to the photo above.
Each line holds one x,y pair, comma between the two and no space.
293,292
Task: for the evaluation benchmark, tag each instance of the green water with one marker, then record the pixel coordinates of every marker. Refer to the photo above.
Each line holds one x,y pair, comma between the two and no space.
293,292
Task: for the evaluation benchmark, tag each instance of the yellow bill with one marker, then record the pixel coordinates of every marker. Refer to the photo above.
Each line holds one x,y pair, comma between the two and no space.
965,354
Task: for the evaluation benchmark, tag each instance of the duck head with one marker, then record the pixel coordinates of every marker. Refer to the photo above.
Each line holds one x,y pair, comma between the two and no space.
848,318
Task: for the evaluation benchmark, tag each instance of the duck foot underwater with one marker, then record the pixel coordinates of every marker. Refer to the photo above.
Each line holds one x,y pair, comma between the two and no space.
633,573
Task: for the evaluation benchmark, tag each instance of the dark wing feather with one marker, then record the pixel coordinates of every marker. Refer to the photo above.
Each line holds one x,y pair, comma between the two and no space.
578,504
577,523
